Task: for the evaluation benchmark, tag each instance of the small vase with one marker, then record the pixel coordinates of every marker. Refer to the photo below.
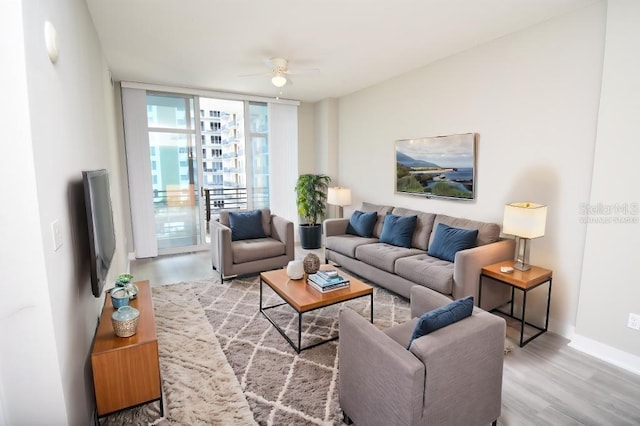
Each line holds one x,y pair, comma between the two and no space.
119,297
132,289
295,269
125,321
311,263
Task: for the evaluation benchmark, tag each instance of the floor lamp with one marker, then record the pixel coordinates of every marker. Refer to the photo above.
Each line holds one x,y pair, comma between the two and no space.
525,221
339,197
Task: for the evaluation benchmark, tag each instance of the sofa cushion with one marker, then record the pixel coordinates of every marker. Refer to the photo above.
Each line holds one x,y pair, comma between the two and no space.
256,249
382,212
487,232
246,225
442,317
361,223
223,218
346,244
383,256
427,271
398,230
424,225
449,240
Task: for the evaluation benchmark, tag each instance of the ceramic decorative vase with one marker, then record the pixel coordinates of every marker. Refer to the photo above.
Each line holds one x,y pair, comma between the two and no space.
119,297
132,289
125,321
124,281
295,269
311,263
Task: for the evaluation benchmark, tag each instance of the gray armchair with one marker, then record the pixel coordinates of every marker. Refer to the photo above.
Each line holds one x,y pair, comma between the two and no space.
232,258
452,376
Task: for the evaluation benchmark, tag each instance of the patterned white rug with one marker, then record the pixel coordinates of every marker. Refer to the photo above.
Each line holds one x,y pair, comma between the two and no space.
281,386
198,384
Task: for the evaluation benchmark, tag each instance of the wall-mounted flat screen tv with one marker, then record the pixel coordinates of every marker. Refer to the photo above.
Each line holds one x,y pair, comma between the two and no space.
102,238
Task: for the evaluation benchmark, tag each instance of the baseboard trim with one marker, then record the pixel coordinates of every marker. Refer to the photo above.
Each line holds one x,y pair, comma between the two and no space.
606,353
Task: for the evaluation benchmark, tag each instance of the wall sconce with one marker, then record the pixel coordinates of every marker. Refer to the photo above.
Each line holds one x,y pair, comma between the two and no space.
525,221
339,197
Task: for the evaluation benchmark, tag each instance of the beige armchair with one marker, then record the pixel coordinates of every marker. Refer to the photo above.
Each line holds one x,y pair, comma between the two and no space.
248,256
452,376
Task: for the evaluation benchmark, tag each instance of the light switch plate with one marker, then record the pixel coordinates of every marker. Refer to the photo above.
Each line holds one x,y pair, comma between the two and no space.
56,233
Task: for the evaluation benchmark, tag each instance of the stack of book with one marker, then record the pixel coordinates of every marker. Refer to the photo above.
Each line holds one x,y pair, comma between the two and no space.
327,280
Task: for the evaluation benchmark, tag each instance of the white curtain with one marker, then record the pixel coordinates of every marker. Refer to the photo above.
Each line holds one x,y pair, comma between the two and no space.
134,107
283,160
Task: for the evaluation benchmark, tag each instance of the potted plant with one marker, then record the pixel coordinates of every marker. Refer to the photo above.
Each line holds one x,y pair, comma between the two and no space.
311,197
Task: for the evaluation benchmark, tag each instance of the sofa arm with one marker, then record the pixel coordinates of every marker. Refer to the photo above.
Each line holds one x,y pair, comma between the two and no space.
282,230
468,263
424,299
221,253
464,364
335,227
380,382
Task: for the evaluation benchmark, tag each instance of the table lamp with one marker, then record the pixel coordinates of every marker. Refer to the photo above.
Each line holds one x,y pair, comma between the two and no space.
525,221
339,197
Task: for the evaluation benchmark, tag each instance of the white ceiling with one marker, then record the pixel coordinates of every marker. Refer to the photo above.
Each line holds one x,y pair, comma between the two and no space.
209,44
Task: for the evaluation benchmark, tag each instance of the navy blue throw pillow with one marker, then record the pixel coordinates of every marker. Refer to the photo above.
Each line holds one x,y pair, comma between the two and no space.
398,230
448,241
442,317
246,225
362,223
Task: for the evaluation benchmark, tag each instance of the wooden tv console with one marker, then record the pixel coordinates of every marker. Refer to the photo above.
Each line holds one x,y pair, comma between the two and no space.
126,370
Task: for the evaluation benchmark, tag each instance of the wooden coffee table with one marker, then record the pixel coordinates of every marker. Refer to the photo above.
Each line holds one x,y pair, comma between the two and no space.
303,298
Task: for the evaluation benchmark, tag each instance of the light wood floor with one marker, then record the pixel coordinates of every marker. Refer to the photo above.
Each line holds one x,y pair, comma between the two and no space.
545,383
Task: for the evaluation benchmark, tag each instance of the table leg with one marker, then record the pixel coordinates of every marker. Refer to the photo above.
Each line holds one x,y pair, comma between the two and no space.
371,307
299,332
513,297
546,321
522,322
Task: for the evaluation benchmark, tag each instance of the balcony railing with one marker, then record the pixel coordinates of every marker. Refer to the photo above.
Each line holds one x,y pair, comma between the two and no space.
216,199
221,199
232,199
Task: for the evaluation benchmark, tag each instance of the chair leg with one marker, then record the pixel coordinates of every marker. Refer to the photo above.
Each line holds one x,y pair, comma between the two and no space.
495,423
346,419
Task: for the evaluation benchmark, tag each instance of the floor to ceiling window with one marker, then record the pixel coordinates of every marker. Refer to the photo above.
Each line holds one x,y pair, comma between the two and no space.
196,156
174,171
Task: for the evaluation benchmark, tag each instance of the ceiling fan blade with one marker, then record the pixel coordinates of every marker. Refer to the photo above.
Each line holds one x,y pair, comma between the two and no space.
257,74
276,63
303,71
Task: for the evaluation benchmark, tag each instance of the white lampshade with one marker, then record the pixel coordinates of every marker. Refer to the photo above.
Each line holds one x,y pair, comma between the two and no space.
279,79
525,220
339,196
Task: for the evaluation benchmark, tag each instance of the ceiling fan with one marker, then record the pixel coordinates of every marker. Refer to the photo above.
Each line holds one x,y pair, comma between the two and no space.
279,71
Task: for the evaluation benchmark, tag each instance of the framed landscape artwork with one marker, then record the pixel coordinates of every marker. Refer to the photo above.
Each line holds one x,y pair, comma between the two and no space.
443,166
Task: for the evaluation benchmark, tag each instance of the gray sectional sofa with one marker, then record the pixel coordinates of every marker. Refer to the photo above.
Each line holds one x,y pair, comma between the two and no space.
400,268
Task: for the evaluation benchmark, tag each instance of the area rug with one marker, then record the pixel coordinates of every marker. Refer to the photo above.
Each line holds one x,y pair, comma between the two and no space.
281,386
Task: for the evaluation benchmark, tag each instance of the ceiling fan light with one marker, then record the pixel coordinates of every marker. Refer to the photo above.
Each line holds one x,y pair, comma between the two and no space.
279,79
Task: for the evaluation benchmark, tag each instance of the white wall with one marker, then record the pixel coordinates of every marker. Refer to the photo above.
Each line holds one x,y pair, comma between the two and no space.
306,138
30,382
65,113
610,290
532,97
